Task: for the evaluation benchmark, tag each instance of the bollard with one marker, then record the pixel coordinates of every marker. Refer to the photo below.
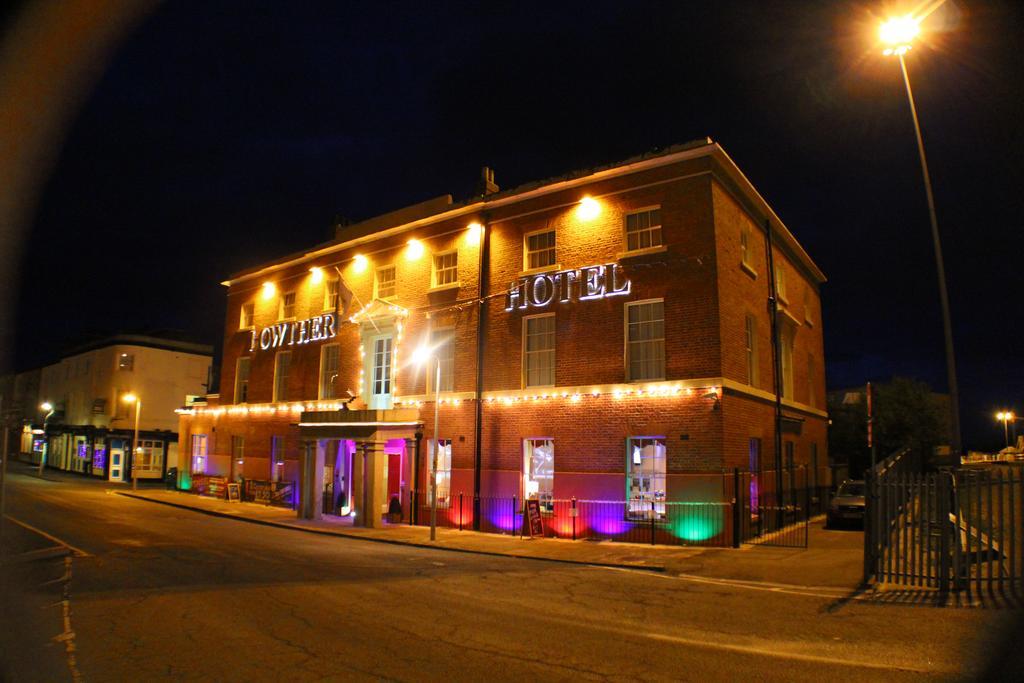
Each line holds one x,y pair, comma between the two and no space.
573,514
653,513
460,510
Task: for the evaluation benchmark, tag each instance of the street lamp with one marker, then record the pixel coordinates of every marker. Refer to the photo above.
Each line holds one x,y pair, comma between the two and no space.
421,357
132,398
898,35
1007,417
48,407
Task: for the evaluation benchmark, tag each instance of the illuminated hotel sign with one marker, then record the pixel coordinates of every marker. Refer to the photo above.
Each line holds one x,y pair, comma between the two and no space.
581,284
295,333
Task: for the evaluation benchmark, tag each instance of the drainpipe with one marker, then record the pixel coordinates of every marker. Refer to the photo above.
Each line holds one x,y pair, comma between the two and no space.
483,273
773,309
414,514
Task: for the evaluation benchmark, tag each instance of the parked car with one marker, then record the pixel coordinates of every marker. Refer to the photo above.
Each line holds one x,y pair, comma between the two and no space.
847,506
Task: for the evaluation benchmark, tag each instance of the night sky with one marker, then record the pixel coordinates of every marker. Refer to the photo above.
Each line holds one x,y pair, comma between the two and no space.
226,134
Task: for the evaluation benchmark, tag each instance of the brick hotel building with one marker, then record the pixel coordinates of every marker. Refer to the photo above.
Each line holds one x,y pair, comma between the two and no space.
602,336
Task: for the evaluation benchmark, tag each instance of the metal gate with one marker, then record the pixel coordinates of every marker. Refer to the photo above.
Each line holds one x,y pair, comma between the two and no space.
775,507
958,529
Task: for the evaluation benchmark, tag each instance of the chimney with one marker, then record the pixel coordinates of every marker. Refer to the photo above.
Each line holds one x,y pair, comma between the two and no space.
486,184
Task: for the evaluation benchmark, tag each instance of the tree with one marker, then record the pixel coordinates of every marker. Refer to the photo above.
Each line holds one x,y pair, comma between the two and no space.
908,413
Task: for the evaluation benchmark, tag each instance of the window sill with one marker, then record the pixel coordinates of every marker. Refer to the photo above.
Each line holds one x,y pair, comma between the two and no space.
636,253
444,288
792,318
247,329
748,270
644,381
537,271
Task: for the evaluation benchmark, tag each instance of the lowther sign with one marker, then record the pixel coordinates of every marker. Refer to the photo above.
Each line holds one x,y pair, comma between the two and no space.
295,333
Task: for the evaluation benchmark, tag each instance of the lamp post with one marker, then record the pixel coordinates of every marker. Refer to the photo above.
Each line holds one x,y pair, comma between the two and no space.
48,407
421,356
898,34
132,398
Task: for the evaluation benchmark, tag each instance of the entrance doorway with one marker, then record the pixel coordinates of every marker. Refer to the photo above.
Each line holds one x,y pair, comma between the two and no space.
117,463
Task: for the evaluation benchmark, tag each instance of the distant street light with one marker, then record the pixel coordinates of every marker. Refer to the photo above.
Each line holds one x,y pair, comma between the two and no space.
132,398
1007,417
421,357
898,34
48,407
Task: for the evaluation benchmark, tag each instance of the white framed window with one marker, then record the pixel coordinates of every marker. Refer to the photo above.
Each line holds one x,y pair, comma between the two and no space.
442,340
282,367
812,397
446,268
242,368
329,357
539,471
126,361
786,343
382,366
286,309
747,248
246,316
646,469
539,350
384,282
539,249
808,305
200,453
645,340
780,283
750,339
237,456
443,474
331,289
149,458
643,229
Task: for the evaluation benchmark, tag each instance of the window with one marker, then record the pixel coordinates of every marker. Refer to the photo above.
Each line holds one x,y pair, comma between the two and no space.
786,352
126,361
442,340
645,477
149,458
539,471
808,305
446,268
242,380
645,340
329,355
754,467
751,344
540,249
382,366
384,283
246,317
780,284
746,248
287,308
331,289
443,475
643,229
811,396
539,350
199,453
276,458
237,455
282,365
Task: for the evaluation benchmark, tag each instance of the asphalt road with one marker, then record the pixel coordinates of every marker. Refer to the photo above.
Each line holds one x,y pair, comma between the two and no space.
153,592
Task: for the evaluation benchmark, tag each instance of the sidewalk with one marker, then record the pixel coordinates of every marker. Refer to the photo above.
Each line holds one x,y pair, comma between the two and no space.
833,559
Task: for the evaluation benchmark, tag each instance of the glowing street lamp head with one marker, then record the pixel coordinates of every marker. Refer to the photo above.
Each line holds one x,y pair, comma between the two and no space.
129,398
359,263
47,406
421,355
898,33
473,232
269,290
413,250
316,275
589,208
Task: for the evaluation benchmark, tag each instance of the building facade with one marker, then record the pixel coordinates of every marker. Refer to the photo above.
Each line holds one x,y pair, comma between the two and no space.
605,336
90,426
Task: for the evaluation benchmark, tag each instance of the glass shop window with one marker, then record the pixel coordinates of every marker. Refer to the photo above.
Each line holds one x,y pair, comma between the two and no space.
444,471
199,453
539,471
645,477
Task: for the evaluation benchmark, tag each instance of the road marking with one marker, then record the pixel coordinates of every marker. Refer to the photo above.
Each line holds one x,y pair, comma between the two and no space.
789,589
77,552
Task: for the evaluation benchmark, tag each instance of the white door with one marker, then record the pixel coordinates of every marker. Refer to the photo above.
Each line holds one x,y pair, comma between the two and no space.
380,372
116,463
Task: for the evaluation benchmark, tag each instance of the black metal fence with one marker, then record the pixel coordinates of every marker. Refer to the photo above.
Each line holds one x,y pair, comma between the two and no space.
959,529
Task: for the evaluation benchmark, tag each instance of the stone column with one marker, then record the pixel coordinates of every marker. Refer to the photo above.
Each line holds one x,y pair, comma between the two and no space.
311,480
376,495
